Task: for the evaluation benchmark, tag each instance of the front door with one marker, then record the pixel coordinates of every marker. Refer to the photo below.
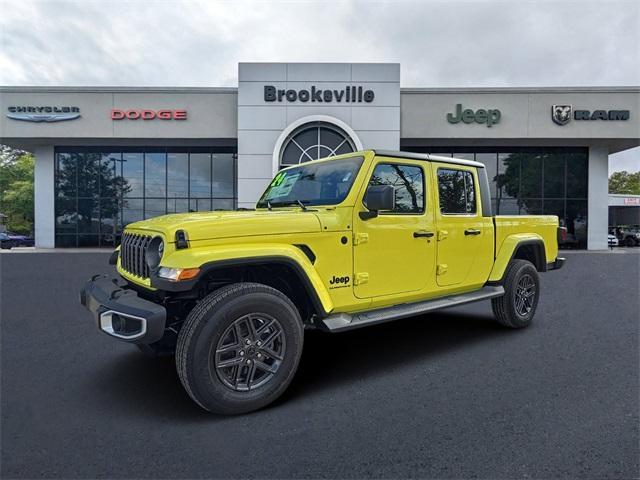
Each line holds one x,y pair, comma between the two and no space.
462,232
395,251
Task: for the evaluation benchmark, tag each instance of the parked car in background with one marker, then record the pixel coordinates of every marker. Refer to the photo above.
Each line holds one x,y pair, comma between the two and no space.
613,240
628,236
9,240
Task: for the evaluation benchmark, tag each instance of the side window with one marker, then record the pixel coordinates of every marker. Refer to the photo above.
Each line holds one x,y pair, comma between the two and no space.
457,191
408,181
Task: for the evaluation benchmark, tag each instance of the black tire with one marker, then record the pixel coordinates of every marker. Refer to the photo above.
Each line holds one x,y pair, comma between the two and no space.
629,242
510,310
199,343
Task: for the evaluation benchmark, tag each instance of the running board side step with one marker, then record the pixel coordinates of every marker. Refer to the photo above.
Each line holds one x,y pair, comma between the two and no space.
340,322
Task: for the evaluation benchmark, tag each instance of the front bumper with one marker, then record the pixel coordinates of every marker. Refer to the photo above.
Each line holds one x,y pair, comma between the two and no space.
121,313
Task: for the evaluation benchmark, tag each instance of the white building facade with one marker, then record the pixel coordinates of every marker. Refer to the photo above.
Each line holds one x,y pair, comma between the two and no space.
108,156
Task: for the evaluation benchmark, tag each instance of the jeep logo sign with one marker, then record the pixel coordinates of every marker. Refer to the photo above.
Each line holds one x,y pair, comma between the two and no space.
484,116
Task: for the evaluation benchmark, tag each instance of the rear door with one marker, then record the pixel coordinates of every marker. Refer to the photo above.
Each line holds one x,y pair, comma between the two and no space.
462,232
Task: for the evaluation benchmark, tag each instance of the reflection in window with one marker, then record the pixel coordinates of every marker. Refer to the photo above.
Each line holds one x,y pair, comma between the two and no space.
88,215
456,191
490,161
408,181
223,174
154,207
508,180
155,174
200,205
530,175
132,210
553,176
66,182
88,174
100,190
109,174
177,175
577,168
200,175
546,180
132,169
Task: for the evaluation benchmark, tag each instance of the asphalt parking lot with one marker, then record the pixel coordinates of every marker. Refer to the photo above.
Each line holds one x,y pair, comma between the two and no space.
446,395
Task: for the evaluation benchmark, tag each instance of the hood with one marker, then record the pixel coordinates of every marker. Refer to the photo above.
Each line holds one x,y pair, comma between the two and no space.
212,225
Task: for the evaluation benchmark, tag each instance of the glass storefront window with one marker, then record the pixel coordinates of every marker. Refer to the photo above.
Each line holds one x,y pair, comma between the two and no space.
508,178
200,175
533,181
88,174
132,174
132,210
66,182
490,161
155,174
101,190
223,174
110,165
577,168
178,175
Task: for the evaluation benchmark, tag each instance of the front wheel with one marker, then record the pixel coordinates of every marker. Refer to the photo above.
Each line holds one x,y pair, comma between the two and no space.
517,306
239,348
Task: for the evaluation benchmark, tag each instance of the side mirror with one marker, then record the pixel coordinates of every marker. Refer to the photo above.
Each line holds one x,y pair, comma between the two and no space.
378,198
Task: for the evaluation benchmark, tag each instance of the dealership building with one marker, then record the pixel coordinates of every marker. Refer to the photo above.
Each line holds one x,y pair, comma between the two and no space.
108,156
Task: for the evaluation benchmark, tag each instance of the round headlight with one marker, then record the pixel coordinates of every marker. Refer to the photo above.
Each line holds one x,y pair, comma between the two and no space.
154,252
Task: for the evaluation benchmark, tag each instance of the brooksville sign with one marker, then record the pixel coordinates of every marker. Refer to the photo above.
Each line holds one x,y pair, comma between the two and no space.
349,94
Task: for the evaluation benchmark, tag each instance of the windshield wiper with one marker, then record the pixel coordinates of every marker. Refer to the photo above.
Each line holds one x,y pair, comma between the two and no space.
299,203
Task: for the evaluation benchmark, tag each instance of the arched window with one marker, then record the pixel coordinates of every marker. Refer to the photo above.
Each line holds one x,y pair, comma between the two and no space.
312,141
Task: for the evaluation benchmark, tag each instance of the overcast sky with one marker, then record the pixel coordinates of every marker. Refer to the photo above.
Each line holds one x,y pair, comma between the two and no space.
439,44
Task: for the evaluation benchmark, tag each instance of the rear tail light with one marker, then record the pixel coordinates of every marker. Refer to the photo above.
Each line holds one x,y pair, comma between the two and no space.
562,234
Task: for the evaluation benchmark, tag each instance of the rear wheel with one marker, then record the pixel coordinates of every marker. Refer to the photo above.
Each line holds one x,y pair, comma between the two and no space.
629,242
239,348
517,306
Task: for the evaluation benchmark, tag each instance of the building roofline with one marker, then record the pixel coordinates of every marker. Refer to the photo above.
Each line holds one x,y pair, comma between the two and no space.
403,90
100,89
612,89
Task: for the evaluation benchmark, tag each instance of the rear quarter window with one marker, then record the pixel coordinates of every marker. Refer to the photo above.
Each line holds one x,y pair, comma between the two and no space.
456,190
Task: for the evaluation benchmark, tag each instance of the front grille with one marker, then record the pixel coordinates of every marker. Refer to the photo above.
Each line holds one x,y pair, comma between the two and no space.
132,254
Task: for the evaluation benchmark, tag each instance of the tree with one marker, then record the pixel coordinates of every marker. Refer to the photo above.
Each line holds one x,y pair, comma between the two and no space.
624,183
16,189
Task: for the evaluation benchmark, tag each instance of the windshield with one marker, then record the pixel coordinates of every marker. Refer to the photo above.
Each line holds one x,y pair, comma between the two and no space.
326,183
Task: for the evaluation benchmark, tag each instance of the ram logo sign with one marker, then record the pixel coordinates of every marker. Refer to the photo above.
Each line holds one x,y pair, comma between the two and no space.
562,114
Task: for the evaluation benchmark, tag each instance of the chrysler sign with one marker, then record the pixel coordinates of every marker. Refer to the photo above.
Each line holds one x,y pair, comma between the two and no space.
45,113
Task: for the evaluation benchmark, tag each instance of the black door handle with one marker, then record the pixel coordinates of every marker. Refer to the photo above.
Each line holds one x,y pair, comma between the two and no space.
472,231
422,233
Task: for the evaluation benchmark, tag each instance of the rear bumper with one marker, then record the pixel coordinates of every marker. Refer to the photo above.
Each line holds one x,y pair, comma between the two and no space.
119,312
559,262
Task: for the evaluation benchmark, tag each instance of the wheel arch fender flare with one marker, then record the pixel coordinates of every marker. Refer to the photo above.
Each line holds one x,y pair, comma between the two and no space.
528,246
209,259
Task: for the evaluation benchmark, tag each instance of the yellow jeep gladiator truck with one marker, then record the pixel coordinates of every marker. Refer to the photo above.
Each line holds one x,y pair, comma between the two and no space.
333,244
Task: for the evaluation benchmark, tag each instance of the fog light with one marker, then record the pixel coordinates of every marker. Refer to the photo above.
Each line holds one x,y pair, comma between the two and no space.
119,325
